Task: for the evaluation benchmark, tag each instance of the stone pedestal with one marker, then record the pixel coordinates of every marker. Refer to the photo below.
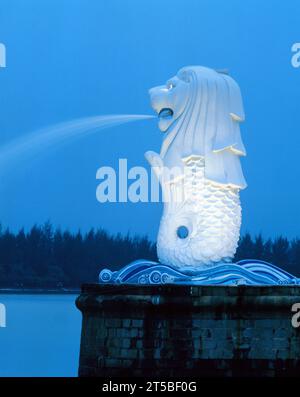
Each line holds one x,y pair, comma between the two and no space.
173,330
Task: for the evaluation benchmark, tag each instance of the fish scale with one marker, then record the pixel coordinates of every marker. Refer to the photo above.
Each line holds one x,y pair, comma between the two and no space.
212,214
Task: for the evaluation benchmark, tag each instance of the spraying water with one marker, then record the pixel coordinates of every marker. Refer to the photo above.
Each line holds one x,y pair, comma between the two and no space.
57,134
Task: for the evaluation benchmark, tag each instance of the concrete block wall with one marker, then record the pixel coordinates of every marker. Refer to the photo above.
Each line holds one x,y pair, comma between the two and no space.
181,331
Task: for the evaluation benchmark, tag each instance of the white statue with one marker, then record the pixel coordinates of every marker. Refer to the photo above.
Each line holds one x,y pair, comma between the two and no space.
199,111
200,173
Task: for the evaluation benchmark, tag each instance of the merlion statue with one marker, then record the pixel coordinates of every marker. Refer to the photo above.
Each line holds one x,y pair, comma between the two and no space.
200,111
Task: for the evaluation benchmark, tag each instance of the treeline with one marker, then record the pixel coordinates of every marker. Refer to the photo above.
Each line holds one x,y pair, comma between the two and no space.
279,251
46,257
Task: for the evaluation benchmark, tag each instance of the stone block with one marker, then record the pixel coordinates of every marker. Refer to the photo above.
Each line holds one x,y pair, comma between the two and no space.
137,323
113,322
129,353
127,323
113,363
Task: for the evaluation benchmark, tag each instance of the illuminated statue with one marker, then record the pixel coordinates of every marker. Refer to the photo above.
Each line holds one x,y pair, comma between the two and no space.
199,169
199,112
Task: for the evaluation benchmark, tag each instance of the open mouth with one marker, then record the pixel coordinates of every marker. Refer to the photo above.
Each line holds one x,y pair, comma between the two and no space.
165,113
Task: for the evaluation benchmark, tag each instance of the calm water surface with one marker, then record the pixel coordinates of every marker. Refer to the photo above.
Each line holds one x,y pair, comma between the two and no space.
42,335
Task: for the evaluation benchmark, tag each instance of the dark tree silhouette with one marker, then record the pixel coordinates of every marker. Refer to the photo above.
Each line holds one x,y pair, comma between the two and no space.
245,249
48,258
281,251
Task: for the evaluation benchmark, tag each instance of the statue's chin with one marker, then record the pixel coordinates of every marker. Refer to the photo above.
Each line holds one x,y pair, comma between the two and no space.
164,124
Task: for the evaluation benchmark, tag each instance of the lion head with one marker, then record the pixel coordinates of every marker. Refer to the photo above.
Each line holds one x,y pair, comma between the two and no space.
199,112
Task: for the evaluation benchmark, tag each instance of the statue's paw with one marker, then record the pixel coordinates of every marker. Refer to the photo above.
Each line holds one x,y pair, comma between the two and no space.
154,159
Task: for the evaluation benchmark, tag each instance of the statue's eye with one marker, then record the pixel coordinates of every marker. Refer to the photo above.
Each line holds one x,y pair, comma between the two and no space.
170,86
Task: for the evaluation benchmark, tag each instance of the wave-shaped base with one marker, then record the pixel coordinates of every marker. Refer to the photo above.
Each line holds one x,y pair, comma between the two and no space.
245,272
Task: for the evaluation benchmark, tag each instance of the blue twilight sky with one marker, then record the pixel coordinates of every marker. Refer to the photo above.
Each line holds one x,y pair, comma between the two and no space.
68,59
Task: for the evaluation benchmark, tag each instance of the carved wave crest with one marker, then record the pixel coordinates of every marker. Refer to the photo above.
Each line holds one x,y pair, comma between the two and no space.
245,272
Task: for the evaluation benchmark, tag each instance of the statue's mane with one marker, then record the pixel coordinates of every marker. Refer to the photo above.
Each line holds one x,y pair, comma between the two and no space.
209,126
